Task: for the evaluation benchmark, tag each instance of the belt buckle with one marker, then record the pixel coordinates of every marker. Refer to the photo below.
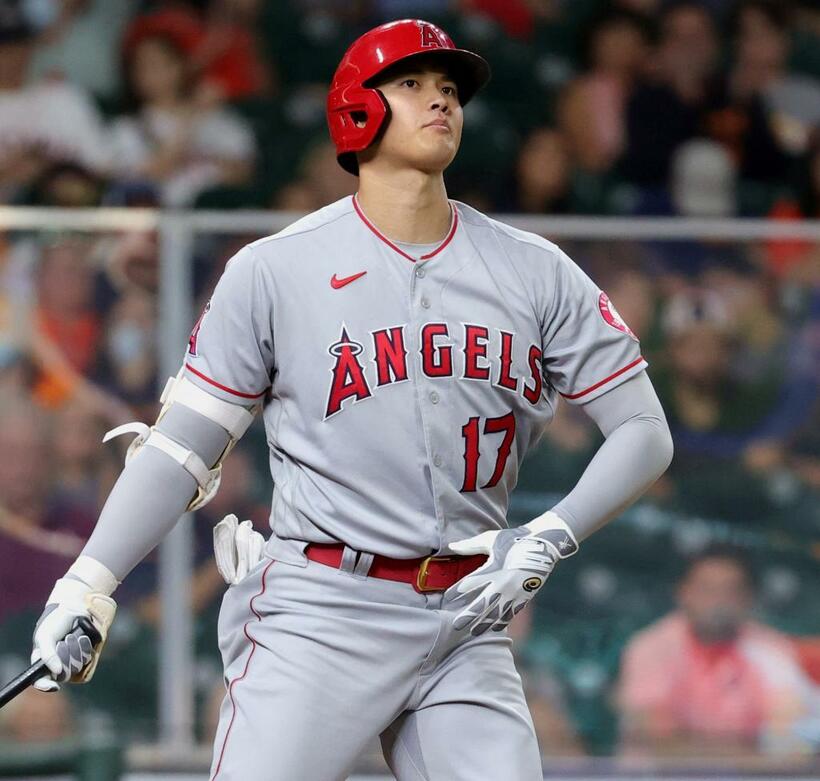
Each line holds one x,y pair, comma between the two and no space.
421,578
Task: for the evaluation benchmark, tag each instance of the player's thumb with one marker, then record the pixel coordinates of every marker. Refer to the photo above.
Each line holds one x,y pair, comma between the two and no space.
46,653
481,543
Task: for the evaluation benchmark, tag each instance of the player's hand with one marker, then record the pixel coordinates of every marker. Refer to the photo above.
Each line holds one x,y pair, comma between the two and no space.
519,562
237,548
70,658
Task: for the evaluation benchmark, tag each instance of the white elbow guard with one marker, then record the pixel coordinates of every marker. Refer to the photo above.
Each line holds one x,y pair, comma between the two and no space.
234,418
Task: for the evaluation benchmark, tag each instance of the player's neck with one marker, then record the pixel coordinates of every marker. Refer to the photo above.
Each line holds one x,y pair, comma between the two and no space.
411,208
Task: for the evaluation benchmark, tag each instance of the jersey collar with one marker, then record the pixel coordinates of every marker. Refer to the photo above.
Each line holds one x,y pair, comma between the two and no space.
380,235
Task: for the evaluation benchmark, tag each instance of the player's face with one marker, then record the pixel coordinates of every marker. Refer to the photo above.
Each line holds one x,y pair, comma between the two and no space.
716,598
424,130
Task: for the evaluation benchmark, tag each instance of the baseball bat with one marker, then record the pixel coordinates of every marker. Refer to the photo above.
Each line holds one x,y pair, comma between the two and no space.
39,669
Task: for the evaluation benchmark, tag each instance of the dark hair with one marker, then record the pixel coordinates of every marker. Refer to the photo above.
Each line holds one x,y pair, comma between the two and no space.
613,17
14,25
722,552
685,5
132,101
776,12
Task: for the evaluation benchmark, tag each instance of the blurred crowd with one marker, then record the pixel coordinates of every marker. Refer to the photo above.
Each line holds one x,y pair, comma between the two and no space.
692,107
673,645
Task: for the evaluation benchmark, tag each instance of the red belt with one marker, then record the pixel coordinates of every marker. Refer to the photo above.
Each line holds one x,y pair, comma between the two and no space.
430,573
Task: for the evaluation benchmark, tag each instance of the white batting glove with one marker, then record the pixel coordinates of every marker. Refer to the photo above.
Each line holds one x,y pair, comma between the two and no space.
70,658
520,560
237,548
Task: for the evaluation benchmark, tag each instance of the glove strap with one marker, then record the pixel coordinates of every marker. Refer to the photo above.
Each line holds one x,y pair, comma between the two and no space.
95,574
68,591
554,530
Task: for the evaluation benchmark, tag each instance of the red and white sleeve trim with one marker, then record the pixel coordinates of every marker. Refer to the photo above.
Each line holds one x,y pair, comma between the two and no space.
222,387
585,392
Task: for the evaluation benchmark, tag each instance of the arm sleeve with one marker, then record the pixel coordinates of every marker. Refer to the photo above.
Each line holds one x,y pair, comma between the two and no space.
636,452
587,348
135,520
230,352
230,356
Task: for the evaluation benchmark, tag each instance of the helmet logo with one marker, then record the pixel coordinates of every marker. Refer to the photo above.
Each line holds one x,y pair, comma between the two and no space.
430,37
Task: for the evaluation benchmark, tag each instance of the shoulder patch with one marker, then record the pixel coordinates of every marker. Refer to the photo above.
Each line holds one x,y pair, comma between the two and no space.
611,316
192,340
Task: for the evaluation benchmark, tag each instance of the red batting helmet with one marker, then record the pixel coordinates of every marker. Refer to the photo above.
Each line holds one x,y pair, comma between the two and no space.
368,56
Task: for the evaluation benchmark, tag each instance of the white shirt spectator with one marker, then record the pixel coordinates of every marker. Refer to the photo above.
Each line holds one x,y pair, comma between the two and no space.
56,118
213,136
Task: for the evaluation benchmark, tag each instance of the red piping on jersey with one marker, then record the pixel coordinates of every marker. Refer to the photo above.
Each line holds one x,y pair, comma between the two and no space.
245,671
447,240
223,387
604,381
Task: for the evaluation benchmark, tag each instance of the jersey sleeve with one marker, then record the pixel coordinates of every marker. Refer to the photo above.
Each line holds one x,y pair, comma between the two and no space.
230,351
587,348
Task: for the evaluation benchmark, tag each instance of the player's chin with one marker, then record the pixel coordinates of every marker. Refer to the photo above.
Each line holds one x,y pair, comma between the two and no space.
436,157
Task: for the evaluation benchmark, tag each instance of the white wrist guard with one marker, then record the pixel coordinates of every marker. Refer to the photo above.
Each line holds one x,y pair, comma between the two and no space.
555,530
94,574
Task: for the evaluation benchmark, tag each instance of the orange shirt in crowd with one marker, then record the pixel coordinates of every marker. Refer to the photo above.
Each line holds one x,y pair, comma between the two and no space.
77,340
672,683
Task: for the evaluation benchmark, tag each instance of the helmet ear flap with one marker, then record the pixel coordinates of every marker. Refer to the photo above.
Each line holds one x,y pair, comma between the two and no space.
346,109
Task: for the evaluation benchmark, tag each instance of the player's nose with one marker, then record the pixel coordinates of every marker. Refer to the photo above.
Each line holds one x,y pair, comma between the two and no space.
439,103
436,100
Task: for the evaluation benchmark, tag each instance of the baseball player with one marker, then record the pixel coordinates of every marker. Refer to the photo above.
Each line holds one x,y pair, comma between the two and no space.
405,352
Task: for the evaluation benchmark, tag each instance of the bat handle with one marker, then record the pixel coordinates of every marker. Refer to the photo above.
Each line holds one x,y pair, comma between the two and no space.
85,626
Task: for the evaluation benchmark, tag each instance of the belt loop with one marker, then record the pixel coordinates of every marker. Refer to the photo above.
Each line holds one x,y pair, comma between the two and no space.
363,565
348,563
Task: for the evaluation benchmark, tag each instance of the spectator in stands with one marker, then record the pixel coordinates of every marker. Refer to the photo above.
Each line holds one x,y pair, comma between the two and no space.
129,354
667,107
591,112
739,116
41,122
709,680
228,58
714,416
517,17
701,395
84,471
132,264
321,181
65,315
49,329
79,41
66,185
703,180
543,174
761,31
173,141
35,546
219,38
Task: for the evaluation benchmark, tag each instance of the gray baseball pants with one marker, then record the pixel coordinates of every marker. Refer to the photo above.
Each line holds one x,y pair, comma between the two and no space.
318,661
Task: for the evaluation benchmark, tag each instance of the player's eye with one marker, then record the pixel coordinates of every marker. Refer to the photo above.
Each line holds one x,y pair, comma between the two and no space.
449,90
411,82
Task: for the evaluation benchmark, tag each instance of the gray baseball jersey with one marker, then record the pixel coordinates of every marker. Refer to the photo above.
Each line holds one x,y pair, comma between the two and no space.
400,393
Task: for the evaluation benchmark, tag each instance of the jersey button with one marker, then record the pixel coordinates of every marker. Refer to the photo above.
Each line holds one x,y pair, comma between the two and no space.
425,303
437,460
434,397
419,271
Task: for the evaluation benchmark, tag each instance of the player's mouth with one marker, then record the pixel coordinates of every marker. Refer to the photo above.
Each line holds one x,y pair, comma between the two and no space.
439,123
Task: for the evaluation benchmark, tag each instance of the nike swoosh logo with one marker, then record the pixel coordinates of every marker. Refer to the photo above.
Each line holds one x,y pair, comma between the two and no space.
336,283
